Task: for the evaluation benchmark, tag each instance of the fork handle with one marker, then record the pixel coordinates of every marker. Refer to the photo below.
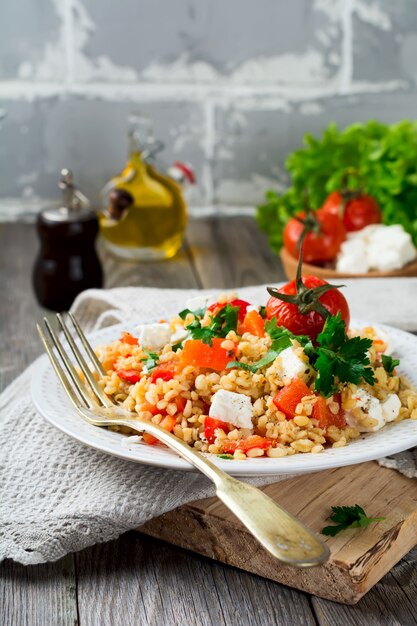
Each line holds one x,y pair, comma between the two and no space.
279,532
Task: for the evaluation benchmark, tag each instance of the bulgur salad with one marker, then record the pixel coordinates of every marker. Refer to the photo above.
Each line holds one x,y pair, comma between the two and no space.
243,381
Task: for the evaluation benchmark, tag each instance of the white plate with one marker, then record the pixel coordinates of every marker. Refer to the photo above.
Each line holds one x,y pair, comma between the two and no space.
52,402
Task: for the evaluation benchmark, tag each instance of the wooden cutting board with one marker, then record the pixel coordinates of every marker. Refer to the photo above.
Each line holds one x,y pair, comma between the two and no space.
359,557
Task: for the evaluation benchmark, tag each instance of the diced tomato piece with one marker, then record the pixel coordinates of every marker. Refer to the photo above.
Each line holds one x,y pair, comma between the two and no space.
129,339
149,439
200,354
228,447
166,371
131,376
210,426
242,304
325,417
168,422
253,324
321,412
288,397
254,441
151,408
180,402
339,419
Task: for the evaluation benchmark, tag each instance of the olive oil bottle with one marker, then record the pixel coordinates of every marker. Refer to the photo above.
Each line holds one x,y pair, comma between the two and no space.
145,212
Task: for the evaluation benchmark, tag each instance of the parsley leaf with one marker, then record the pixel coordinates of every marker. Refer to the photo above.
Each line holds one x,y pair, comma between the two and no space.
278,345
151,361
197,313
275,332
204,333
333,334
220,325
231,316
281,339
337,358
389,364
348,517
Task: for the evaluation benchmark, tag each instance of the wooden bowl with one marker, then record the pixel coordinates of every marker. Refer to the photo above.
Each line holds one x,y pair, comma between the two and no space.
290,268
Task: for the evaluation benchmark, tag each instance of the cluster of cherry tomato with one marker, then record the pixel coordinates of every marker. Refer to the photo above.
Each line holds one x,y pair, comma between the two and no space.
341,213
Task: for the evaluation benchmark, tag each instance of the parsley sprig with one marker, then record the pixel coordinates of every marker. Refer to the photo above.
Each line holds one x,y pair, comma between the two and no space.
336,358
151,361
220,325
389,364
281,339
348,517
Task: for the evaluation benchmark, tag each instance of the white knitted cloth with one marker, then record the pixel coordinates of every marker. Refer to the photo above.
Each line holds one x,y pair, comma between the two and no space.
58,496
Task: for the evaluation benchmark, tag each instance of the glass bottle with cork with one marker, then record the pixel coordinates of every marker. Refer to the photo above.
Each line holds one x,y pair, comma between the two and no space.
145,211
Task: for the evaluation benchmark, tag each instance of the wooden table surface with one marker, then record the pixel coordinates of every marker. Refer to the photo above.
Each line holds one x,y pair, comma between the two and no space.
136,580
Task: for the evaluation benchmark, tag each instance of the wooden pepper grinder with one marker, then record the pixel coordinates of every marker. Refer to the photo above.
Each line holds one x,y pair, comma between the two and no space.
67,261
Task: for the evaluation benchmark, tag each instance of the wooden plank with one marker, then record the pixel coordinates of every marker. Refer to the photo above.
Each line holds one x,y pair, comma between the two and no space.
391,601
35,594
38,594
137,580
358,558
232,252
18,307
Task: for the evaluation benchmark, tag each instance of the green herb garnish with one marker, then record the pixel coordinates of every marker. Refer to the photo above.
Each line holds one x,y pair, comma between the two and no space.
177,346
281,339
379,159
348,517
197,313
151,361
278,345
389,364
336,358
276,332
228,457
219,326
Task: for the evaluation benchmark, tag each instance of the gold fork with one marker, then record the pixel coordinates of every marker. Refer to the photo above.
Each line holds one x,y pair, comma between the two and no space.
279,532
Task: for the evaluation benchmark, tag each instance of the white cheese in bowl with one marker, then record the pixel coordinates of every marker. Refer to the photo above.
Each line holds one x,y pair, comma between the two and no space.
376,247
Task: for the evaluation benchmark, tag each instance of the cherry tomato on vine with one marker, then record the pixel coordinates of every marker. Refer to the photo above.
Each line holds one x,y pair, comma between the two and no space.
322,243
310,323
357,210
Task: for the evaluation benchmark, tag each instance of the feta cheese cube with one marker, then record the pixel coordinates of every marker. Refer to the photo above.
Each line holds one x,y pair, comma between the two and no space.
232,407
179,334
199,302
154,336
381,412
391,407
290,365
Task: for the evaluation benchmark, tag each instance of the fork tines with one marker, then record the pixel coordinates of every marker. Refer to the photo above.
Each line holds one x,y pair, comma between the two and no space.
90,394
